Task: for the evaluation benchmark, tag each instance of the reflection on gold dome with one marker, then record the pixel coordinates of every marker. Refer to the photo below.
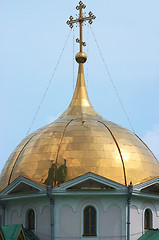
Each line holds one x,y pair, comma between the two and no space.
78,142
81,141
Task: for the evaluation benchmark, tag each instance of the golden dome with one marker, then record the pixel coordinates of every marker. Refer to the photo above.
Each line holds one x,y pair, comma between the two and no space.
81,141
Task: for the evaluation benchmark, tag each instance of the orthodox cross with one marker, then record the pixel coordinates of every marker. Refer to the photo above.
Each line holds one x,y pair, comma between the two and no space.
81,19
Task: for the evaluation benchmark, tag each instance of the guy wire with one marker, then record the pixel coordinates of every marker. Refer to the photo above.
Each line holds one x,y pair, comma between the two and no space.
121,103
87,52
73,58
49,83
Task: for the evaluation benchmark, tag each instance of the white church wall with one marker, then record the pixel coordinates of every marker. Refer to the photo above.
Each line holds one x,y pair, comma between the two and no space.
137,213
111,223
156,203
15,218
69,223
17,212
136,224
68,215
43,224
110,219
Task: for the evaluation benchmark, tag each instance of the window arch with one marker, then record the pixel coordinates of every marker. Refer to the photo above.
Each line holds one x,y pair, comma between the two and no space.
148,219
89,221
30,219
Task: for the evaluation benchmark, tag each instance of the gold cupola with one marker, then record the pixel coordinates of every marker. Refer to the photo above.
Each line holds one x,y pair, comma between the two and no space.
81,141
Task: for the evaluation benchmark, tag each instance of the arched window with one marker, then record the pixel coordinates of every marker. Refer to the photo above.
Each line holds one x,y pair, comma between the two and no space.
31,219
148,219
89,228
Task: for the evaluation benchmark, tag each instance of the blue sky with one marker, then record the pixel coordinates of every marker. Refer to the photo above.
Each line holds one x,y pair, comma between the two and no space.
33,33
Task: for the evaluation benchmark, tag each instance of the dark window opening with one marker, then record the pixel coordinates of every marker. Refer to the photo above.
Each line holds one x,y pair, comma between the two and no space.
148,219
89,221
31,220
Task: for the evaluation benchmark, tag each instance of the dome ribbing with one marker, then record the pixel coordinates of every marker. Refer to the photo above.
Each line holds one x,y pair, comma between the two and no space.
81,141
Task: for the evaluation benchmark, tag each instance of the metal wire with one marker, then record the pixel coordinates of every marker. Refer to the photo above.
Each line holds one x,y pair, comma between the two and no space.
49,83
87,51
73,59
121,103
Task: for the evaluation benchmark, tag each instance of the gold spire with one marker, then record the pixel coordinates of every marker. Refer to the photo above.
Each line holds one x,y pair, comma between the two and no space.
80,103
80,97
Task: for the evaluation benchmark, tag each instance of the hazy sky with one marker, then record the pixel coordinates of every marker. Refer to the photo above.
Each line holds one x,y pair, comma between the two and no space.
33,33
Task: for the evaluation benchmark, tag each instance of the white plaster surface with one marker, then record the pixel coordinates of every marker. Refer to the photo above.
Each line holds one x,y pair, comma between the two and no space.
109,223
68,215
15,218
137,211
136,225
17,211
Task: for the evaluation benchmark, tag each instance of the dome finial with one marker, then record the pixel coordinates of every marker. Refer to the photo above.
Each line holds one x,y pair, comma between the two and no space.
80,104
81,57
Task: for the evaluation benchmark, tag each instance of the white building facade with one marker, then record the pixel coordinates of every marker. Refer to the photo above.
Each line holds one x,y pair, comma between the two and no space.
69,204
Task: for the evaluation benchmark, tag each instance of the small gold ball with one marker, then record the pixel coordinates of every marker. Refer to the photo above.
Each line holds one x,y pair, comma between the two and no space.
81,57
